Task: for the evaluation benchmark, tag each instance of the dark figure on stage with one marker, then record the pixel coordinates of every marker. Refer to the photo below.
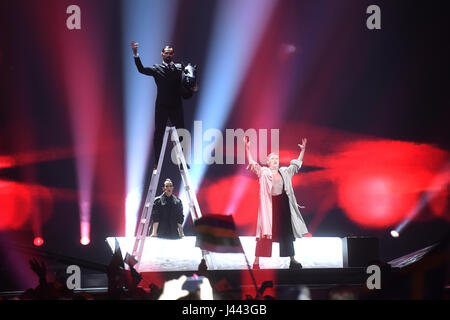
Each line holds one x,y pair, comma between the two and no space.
167,214
279,218
174,83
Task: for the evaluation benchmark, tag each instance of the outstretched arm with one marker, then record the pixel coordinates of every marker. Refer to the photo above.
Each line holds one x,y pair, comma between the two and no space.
248,154
297,163
134,47
137,60
252,164
302,147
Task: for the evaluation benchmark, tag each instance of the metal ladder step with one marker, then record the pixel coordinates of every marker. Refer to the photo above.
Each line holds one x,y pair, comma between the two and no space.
144,222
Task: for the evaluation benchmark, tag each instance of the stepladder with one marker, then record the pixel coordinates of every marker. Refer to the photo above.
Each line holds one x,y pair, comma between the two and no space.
145,217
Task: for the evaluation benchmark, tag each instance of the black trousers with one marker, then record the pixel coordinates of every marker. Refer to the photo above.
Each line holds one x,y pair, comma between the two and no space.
174,113
281,229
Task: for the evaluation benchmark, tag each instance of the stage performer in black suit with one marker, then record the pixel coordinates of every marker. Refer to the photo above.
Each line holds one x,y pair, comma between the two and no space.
167,214
174,82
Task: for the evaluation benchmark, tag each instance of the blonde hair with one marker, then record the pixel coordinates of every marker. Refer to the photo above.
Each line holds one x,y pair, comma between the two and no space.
270,156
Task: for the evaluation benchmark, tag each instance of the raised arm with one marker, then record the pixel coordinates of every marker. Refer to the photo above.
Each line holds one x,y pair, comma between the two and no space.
302,147
252,164
248,154
297,163
137,61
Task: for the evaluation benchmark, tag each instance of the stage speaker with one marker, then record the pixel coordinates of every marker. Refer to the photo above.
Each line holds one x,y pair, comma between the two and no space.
359,251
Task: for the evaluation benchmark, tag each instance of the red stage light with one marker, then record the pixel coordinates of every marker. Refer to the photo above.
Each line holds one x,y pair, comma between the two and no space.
6,162
377,184
18,202
38,241
15,205
375,200
380,182
438,194
439,203
236,195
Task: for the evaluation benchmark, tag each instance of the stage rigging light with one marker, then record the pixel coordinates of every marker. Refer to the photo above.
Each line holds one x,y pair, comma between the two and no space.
85,241
395,234
38,241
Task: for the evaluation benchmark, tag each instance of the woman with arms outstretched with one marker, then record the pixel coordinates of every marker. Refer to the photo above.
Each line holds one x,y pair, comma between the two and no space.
279,217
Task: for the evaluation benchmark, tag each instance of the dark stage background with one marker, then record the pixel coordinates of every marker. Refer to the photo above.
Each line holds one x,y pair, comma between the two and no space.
76,117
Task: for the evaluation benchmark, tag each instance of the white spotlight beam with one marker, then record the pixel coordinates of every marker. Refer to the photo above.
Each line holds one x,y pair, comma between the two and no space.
150,23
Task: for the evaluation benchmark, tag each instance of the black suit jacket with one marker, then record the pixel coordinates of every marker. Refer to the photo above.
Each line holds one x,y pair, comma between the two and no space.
168,212
167,81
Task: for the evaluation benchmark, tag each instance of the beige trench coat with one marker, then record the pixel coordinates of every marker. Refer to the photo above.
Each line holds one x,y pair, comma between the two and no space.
264,223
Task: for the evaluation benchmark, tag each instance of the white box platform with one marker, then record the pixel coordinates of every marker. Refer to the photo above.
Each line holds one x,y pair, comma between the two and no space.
183,255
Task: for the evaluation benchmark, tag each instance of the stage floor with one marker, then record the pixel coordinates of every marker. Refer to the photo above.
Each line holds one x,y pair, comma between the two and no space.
182,255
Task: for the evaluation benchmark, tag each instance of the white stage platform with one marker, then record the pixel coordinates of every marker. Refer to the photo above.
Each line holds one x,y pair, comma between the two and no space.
182,255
